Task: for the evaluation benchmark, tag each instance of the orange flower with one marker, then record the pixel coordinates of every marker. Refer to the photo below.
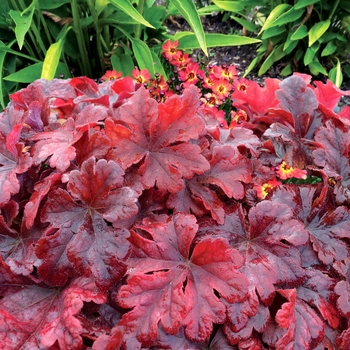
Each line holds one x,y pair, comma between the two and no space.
241,84
285,172
263,190
211,100
170,49
180,59
209,81
111,75
190,74
222,88
238,117
141,76
225,72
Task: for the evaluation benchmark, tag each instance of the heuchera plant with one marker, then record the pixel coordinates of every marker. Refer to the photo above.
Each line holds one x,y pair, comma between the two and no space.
131,223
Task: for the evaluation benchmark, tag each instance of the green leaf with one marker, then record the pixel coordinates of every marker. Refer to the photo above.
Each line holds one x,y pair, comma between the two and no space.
303,3
316,67
100,5
310,53
246,24
251,66
336,75
287,70
231,6
190,14
274,31
4,48
53,55
51,4
300,33
126,7
23,21
273,15
276,54
2,60
158,67
289,16
26,75
29,74
317,30
143,55
189,40
289,44
329,49
123,63
208,10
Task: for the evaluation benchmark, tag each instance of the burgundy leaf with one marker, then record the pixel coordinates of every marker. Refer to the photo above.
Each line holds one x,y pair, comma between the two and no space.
168,285
267,244
317,291
91,145
159,135
326,223
228,169
343,303
57,144
41,316
333,157
12,162
198,199
82,237
300,100
298,326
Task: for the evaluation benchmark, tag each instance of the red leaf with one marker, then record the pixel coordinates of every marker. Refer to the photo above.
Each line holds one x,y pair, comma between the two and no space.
41,189
343,303
328,94
91,145
172,287
158,134
90,116
57,144
333,157
12,162
42,316
249,316
265,238
299,326
256,100
317,291
82,237
198,199
326,223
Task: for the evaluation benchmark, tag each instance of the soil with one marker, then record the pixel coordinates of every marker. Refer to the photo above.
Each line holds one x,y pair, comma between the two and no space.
240,56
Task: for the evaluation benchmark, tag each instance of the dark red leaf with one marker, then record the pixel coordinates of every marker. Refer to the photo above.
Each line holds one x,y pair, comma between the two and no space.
333,157
158,135
298,326
343,303
79,235
266,238
326,223
168,285
12,162
41,316
57,144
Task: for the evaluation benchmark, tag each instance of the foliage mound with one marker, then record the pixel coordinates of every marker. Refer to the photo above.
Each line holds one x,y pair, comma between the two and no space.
129,223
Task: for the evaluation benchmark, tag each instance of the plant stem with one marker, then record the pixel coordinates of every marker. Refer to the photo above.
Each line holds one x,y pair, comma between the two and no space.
334,8
85,66
98,35
137,27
